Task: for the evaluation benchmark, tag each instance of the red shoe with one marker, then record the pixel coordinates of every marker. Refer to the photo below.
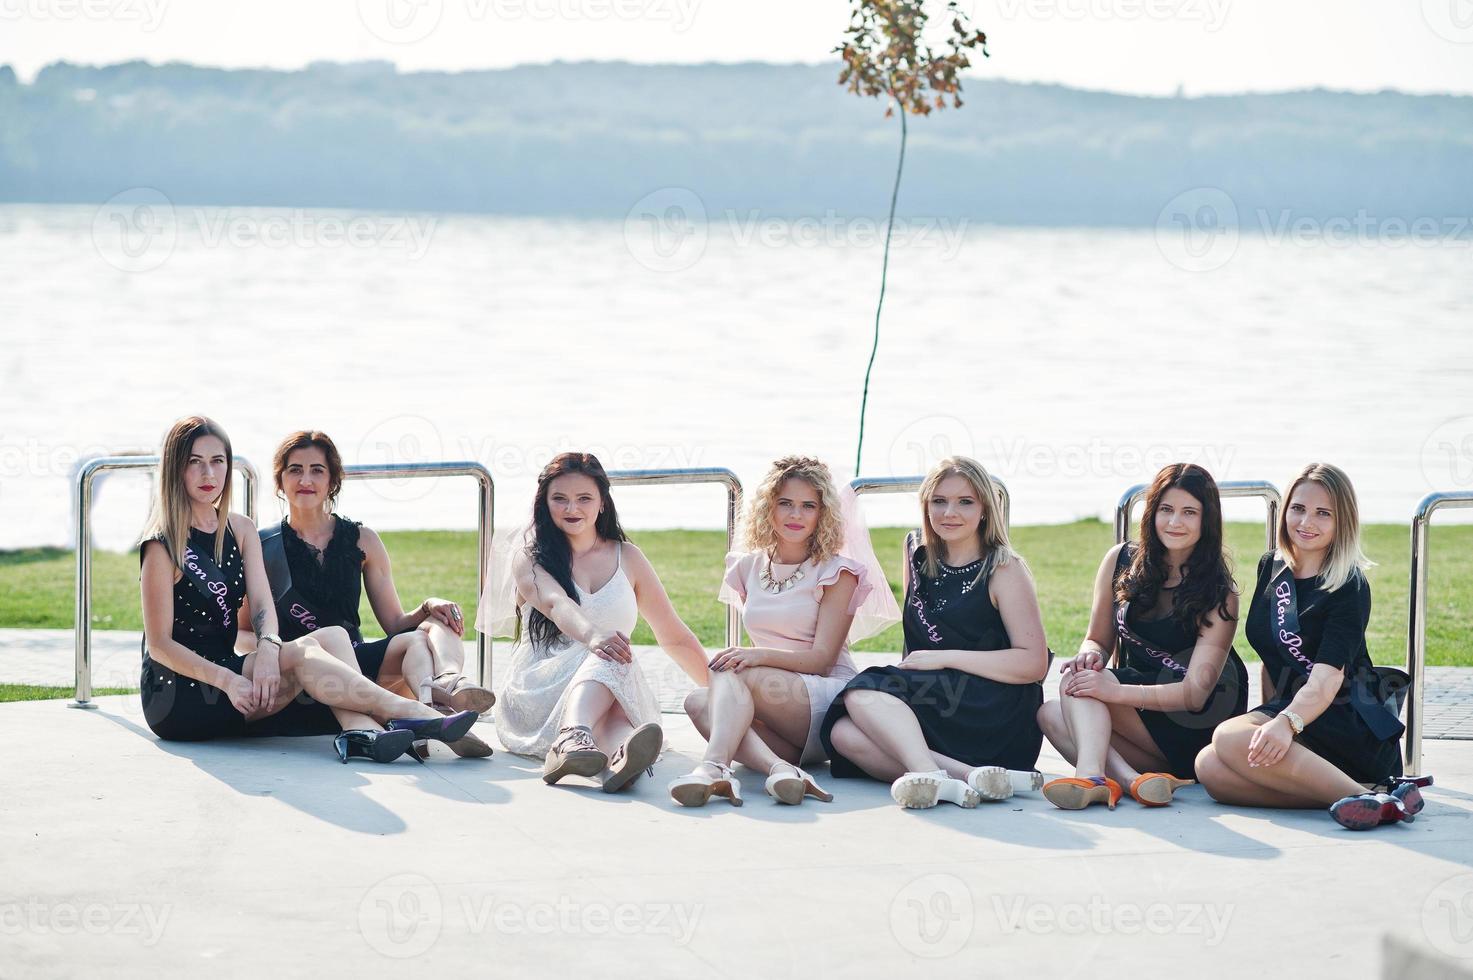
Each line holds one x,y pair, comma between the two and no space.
1074,793
1369,810
1411,798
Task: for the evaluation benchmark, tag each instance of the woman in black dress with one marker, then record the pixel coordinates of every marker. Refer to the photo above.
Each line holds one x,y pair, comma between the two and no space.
954,721
199,562
1326,732
1167,609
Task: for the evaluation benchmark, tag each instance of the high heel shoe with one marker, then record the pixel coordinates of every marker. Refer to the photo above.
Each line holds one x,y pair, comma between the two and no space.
574,753
1367,810
697,787
923,790
791,785
1156,788
635,755
366,743
457,692
1410,794
450,728
1074,793
997,783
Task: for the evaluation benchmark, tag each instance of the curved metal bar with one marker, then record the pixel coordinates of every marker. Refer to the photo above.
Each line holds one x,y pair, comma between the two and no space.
1417,616
1228,488
912,484
485,521
697,474
82,520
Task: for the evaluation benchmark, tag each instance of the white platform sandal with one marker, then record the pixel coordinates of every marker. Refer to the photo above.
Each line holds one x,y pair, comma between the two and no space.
923,790
997,783
788,784
706,780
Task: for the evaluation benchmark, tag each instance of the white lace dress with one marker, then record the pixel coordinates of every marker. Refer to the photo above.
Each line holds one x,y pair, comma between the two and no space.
529,706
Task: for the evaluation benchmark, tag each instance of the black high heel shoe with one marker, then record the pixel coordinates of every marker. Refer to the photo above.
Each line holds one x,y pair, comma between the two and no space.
366,743
451,728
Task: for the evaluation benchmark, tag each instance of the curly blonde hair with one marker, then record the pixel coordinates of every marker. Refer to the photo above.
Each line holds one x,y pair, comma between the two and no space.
757,530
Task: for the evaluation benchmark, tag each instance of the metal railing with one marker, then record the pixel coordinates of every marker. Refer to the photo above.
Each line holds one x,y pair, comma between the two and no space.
1229,488
83,518
912,484
1417,618
700,474
485,521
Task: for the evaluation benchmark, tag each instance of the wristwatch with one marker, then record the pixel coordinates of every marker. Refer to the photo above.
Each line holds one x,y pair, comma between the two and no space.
1295,722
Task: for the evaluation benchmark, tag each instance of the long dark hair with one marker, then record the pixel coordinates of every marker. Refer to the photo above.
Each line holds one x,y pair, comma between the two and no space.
1206,579
549,548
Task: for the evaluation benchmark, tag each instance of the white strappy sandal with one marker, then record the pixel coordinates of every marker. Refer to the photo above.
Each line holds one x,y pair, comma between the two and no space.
786,783
923,790
697,787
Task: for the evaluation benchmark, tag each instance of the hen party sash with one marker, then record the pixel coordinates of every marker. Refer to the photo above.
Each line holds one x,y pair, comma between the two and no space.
290,605
1127,635
201,572
1379,714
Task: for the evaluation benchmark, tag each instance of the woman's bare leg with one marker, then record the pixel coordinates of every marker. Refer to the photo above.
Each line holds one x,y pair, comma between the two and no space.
698,707
1299,773
408,665
891,726
1226,786
319,662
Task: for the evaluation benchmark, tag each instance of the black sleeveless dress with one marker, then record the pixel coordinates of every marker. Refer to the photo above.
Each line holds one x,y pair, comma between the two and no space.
1180,735
975,720
1333,627
176,706
331,585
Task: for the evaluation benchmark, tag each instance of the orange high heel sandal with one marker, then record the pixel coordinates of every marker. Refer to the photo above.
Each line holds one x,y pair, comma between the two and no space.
1074,793
1155,788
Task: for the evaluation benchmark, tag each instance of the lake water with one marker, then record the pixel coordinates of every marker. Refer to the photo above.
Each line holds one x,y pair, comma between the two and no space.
1072,362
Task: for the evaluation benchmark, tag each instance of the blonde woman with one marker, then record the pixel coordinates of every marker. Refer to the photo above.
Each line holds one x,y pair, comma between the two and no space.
1325,733
799,587
954,720
199,562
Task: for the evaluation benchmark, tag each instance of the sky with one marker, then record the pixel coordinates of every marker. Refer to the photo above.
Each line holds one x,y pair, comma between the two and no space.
1138,46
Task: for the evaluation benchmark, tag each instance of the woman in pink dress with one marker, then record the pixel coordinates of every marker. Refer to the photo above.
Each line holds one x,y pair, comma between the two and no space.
799,587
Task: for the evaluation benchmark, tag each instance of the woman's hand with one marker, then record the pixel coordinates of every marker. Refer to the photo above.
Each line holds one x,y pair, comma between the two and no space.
924,660
1270,742
242,694
737,659
1085,660
611,646
1092,683
446,613
265,673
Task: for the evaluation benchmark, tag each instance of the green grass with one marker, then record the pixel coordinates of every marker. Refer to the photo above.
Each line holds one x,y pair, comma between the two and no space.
36,584
33,692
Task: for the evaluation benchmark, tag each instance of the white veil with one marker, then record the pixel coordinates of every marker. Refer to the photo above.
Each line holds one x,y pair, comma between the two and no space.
878,611
496,614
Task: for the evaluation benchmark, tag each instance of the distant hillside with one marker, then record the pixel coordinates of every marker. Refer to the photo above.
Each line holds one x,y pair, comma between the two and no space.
593,138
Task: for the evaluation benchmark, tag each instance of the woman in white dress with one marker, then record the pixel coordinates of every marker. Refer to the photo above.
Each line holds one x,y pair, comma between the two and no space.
807,586
573,691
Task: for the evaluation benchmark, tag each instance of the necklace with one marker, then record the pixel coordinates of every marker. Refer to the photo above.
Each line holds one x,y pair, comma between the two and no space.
776,586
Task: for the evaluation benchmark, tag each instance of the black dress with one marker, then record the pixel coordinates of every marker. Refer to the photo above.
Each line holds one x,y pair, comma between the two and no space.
1333,628
975,720
1180,735
176,706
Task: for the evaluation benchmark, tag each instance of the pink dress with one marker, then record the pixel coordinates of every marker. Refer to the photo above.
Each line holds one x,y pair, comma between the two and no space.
788,621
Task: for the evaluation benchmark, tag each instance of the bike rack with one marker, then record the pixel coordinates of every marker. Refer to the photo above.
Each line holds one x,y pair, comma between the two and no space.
912,484
1229,488
485,521
83,518
1417,618
691,475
